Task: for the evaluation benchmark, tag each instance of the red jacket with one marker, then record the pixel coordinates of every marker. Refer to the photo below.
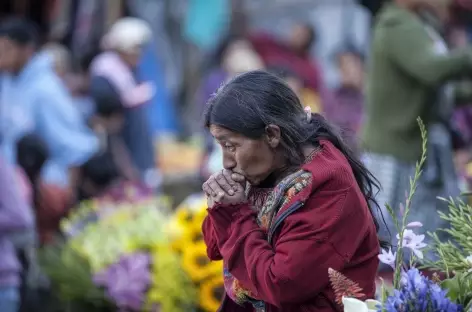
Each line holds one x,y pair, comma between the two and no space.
326,225
276,53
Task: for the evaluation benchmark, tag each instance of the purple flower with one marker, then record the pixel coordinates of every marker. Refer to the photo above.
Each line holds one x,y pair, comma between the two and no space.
127,280
418,293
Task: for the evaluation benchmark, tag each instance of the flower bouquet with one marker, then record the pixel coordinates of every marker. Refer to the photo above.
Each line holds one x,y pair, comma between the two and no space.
412,290
119,245
187,240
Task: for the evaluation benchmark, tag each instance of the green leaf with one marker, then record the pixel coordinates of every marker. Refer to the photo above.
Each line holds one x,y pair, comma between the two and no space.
70,275
452,285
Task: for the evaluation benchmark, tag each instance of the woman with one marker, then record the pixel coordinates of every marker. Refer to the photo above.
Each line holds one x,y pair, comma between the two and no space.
346,106
124,43
290,204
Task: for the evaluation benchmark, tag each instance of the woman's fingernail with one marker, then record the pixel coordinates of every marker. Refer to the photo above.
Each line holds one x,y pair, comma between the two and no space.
221,195
231,192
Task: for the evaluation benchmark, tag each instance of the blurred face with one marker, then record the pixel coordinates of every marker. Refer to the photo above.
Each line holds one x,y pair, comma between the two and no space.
114,124
352,70
12,55
300,38
254,159
132,57
241,57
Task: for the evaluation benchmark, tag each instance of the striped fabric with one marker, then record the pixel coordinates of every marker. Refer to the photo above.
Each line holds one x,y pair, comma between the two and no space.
439,179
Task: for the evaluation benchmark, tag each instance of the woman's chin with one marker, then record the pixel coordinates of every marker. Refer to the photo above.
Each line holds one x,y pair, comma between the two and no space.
251,182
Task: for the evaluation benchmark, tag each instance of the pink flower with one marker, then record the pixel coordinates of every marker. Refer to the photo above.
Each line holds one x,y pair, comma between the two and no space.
402,209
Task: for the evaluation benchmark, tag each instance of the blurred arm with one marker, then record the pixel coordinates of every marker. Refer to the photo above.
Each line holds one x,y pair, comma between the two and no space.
71,143
15,213
410,46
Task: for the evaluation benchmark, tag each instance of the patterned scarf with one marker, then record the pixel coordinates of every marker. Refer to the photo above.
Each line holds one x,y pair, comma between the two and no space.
277,198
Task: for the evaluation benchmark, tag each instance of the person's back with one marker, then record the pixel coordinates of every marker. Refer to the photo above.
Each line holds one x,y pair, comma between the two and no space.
408,66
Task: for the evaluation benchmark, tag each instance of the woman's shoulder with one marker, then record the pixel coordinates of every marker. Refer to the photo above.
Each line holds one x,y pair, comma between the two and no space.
329,168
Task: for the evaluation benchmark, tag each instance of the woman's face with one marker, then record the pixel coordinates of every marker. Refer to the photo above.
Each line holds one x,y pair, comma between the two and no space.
300,38
132,57
254,159
241,57
351,70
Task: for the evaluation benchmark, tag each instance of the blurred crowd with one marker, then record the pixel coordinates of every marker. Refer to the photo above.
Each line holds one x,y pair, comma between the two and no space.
89,87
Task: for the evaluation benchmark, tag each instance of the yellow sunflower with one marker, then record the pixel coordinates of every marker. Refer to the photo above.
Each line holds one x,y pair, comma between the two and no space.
198,219
211,293
197,265
180,234
183,216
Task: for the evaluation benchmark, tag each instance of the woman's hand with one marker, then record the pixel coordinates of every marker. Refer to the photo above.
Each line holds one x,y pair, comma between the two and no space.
225,187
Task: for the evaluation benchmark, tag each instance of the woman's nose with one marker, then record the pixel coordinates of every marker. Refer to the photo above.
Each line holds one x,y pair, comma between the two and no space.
229,163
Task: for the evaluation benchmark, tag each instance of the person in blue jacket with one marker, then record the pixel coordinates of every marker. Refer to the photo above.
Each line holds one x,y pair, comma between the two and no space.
34,99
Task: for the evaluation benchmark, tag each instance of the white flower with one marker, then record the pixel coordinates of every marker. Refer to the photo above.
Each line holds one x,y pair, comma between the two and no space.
388,257
413,241
414,224
469,261
355,305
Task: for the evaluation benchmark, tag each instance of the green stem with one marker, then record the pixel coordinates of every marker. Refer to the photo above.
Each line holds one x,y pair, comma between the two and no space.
413,184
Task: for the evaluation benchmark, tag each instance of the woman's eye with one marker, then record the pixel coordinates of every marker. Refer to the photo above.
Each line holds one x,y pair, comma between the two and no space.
230,148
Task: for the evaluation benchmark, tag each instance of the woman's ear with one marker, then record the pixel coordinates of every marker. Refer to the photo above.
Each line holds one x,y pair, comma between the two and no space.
273,135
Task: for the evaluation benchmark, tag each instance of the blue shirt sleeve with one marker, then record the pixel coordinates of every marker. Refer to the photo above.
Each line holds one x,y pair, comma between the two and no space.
70,141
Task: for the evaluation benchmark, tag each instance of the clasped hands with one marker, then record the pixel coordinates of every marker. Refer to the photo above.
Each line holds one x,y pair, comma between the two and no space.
225,187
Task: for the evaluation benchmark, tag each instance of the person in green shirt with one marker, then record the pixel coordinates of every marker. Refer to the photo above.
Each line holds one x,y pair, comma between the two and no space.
411,75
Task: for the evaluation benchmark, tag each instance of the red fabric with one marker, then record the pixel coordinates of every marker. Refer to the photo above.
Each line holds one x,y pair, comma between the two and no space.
275,53
54,203
334,229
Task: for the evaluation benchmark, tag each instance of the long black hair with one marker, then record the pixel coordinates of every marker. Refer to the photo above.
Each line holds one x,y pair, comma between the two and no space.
251,101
